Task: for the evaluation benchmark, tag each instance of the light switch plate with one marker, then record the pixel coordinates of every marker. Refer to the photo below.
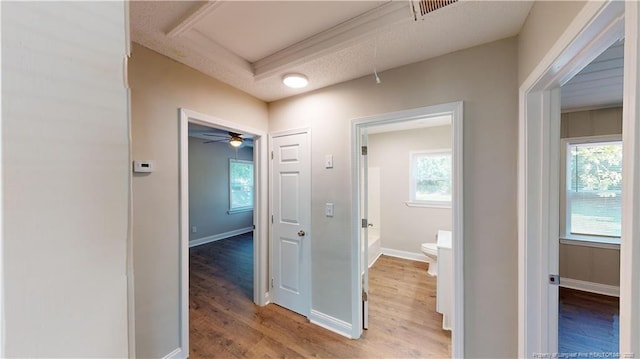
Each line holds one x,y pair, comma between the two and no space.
328,209
328,161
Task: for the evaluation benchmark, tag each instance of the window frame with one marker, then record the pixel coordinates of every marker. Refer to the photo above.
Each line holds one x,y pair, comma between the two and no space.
242,208
565,216
413,201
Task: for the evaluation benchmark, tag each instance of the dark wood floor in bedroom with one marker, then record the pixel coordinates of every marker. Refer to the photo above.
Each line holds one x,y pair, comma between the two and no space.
224,322
588,323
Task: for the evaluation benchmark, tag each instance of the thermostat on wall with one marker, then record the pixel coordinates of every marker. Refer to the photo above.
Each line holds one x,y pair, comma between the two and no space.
144,166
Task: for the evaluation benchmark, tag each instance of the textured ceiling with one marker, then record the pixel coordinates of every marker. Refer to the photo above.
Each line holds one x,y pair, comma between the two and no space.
250,45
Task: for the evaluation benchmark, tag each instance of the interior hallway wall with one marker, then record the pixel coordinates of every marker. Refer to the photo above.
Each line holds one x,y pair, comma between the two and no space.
587,263
402,227
65,180
209,189
485,78
159,88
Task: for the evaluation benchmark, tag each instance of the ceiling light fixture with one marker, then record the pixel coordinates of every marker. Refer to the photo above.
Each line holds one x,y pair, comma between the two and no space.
235,141
295,81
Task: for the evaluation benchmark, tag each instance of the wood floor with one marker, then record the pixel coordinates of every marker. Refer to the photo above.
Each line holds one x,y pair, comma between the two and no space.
224,322
588,323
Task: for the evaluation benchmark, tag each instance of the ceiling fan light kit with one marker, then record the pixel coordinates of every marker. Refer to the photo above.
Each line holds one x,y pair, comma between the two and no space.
295,80
235,141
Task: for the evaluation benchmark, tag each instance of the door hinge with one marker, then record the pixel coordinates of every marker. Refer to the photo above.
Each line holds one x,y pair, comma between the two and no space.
554,279
364,223
272,219
271,282
365,297
364,150
271,154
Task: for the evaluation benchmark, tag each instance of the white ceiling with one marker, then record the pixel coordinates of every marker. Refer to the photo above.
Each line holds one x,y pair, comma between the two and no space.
599,84
251,44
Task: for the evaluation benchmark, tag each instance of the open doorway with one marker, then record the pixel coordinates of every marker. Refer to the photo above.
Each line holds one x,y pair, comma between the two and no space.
251,245
596,27
591,205
449,118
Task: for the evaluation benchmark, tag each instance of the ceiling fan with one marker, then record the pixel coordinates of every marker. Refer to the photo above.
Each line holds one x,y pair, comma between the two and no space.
234,139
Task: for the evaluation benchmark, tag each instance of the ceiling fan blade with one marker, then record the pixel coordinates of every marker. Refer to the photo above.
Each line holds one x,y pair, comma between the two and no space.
211,141
215,135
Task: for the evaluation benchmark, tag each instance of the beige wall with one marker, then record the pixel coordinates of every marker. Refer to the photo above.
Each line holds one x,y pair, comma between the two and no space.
596,265
485,78
209,188
65,173
401,227
159,87
546,22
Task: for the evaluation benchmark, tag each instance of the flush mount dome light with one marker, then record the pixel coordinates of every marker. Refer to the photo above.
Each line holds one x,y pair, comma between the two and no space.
295,81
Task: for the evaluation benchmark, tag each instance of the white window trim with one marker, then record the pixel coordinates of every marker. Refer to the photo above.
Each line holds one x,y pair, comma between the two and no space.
244,208
565,231
412,202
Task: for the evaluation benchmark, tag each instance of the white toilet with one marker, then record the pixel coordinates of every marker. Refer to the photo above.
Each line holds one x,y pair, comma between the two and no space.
431,251
443,240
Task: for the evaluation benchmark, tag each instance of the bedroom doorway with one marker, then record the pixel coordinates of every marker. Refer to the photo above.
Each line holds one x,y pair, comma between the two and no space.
259,224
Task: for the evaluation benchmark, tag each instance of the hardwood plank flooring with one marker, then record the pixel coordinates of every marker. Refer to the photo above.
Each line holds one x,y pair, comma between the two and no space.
587,322
224,322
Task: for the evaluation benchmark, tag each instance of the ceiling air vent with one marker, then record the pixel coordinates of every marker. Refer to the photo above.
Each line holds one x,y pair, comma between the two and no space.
424,7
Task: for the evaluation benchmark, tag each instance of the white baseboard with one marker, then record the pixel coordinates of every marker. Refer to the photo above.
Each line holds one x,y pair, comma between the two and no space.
375,259
217,237
176,354
330,323
404,254
597,288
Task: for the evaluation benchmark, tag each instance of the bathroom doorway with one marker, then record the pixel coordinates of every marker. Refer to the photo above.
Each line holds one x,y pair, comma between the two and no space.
445,123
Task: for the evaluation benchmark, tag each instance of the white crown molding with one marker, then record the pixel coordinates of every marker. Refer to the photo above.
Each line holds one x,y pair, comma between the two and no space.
212,50
189,22
332,40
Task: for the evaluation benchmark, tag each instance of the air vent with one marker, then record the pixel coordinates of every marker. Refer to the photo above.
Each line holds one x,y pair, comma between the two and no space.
426,6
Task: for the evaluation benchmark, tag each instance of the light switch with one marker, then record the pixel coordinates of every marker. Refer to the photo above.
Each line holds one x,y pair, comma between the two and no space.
328,209
328,161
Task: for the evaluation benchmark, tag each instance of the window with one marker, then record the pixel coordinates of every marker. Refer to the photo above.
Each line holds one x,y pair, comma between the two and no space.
593,189
240,185
431,178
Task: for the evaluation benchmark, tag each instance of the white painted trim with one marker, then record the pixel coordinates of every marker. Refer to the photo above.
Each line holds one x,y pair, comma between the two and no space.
330,323
590,287
332,40
220,236
630,238
191,20
357,126
2,311
414,256
260,212
175,354
595,28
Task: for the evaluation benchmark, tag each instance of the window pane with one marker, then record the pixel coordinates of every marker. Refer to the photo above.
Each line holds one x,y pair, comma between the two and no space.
241,184
595,188
432,176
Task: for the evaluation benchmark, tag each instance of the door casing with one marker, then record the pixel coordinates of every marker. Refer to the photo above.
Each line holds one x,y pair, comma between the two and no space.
260,214
596,27
357,129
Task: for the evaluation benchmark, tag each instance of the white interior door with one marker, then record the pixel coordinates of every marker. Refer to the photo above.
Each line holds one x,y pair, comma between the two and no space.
364,206
291,218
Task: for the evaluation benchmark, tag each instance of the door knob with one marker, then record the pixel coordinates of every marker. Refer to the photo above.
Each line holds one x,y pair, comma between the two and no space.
301,233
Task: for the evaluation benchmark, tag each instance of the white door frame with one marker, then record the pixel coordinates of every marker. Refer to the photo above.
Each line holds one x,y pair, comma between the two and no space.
456,109
306,276
260,214
597,26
